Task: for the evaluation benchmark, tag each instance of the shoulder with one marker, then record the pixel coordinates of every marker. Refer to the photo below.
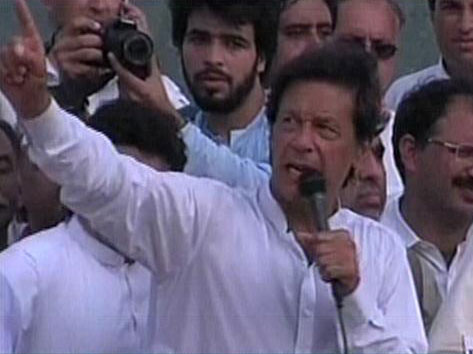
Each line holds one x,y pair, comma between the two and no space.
36,252
371,237
407,83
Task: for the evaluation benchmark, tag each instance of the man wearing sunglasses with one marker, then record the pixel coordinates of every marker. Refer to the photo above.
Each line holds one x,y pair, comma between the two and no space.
376,25
433,140
452,22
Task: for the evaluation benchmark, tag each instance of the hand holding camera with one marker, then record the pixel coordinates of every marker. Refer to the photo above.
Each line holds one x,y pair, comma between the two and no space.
80,48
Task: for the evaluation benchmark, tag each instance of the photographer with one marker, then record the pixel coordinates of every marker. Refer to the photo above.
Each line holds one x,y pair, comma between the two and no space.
77,73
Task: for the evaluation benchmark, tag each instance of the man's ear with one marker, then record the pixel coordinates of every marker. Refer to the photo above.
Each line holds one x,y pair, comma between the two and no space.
408,151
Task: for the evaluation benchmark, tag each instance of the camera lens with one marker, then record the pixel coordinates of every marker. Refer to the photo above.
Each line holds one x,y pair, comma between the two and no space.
138,49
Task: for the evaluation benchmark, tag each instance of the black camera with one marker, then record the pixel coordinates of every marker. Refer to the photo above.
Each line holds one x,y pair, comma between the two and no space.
133,48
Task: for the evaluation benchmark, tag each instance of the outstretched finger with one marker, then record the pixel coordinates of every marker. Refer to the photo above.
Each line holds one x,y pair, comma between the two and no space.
27,22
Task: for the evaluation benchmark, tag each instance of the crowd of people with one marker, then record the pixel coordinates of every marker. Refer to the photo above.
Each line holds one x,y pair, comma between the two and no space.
302,199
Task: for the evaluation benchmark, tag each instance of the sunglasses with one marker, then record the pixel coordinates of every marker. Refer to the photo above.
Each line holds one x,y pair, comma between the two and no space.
382,51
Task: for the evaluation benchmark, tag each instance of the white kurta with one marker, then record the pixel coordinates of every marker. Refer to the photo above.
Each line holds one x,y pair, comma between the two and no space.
435,279
62,291
452,330
232,278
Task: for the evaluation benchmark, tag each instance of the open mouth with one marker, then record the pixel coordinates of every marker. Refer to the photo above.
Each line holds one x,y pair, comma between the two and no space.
299,170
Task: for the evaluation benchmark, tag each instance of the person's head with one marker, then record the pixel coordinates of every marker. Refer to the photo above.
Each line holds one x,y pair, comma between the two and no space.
149,137
433,146
64,11
453,26
376,25
323,108
303,24
365,191
9,186
225,46
39,196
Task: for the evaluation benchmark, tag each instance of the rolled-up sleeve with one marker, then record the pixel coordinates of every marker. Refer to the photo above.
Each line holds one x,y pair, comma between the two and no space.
207,159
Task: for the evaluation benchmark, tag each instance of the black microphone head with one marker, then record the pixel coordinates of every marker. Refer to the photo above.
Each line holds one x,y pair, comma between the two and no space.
312,183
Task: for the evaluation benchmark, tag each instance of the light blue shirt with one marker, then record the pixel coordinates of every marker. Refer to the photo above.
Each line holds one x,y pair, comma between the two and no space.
251,142
244,162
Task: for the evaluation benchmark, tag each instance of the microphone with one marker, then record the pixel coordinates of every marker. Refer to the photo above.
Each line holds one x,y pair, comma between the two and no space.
312,187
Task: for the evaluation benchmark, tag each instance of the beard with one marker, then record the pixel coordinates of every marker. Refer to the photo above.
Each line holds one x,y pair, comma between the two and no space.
206,100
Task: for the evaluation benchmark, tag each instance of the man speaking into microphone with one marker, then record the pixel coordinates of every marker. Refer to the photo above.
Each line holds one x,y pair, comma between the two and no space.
240,271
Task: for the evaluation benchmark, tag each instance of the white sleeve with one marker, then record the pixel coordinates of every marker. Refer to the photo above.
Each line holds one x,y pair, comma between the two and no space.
383,315
452,328
207,159
155,218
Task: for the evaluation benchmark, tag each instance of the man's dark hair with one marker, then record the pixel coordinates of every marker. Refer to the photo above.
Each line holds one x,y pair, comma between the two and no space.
395,7
130,124
262,14
331,4
342,64
12,136
420,110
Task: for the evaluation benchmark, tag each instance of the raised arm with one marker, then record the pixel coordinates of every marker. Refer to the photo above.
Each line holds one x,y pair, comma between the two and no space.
150,217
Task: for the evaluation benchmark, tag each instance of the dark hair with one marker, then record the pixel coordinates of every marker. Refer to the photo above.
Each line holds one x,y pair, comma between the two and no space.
127,123
12,136
420,109
339,63
431,5
262,14
394,6
331,4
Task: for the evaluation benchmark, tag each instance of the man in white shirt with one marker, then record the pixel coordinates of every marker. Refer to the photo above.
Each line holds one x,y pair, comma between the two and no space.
433,134
452,22
239,272
62,290
76,69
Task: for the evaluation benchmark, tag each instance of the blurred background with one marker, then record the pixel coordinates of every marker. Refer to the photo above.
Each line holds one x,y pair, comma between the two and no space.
418,49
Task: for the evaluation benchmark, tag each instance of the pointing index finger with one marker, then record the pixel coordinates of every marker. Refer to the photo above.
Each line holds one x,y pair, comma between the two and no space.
26,19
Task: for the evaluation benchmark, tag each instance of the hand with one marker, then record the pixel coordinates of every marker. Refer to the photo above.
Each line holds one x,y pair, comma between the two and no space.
150,92
77,54
134,13
23,77
335,255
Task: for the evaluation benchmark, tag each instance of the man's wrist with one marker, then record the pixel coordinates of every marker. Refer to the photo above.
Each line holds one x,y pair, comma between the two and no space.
39,105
